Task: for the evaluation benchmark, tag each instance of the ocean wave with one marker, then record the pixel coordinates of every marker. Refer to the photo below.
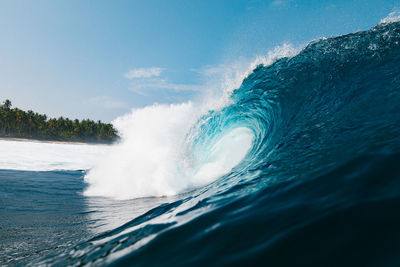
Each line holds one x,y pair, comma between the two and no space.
316,175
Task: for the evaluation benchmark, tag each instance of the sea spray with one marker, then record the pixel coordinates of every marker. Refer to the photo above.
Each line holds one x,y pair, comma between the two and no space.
161,152
145,162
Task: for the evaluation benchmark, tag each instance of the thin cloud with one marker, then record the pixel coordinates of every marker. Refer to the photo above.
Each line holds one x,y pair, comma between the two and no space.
108,102
140,87
211,70
283,3
145,80
143,73
278,3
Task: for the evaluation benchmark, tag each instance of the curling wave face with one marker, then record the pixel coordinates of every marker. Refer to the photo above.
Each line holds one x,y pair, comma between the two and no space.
306,144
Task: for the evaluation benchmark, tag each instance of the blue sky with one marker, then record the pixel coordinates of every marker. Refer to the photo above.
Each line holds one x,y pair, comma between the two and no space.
98,59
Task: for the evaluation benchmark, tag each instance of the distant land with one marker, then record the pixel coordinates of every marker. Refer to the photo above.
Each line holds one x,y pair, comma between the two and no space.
17,123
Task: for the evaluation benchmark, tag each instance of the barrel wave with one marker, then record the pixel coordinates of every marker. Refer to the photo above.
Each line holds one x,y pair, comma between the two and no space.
300,167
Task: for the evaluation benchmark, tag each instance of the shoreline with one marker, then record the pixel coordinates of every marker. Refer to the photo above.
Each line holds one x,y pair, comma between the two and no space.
50,141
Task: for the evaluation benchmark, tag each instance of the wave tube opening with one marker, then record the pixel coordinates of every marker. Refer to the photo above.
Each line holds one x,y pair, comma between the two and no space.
221,157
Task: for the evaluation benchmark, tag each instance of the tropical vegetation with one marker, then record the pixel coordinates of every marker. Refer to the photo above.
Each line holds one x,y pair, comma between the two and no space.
17,123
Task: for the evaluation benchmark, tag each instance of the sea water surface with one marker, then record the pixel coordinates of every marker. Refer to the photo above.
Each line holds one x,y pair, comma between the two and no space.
300,165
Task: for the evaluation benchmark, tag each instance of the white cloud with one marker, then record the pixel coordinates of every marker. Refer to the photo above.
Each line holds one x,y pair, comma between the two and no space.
143,73
330,6
283,3
108,102
211,70
139,87
278,2
147,79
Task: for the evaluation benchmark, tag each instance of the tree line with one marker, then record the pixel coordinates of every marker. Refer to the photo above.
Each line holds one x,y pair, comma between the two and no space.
17,123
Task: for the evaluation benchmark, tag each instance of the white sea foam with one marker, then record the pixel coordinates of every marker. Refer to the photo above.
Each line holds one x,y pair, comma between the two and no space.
145,162
392,17
41,156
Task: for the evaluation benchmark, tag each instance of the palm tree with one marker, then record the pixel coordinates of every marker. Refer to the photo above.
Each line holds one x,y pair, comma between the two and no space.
6,105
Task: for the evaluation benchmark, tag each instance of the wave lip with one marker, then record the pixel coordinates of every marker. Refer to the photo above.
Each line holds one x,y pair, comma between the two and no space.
392,17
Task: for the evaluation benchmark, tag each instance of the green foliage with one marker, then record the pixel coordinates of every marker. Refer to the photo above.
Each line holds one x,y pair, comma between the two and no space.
21,124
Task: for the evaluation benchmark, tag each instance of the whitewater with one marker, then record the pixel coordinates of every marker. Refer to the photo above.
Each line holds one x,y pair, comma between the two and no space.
290,159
